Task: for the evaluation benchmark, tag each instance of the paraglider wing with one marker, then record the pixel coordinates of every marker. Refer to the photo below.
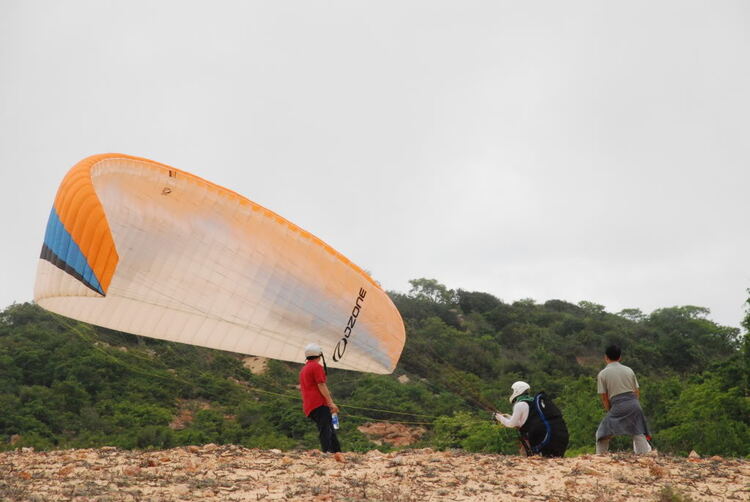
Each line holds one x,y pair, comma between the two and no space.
141,247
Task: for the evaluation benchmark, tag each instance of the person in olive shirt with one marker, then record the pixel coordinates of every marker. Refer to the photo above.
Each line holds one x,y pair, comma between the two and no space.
619,391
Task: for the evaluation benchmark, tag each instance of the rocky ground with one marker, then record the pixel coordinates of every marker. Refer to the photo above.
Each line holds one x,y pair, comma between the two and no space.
233,473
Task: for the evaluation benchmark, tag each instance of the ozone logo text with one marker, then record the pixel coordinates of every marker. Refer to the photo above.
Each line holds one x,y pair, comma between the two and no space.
340,348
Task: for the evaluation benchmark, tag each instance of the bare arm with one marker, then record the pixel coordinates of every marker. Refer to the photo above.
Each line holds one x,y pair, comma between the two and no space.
605,401
327,395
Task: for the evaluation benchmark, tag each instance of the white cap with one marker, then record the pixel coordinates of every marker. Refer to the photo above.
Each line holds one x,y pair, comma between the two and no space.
518,389
313,349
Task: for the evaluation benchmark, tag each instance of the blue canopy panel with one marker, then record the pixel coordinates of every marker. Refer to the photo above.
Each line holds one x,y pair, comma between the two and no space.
62,251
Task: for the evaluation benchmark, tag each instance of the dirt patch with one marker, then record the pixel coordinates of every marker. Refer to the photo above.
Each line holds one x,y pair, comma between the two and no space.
256,365
393,434
186,412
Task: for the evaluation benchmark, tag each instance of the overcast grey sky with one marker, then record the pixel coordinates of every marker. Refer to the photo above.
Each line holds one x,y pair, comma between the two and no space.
575,150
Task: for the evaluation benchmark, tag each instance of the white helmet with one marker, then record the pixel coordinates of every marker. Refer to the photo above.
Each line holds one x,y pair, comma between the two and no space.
313,350
518,389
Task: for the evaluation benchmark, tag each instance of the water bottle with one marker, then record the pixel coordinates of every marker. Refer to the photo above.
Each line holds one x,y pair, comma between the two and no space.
335,421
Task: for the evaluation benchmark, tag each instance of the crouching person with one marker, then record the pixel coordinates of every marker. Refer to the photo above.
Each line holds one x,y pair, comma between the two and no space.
539,421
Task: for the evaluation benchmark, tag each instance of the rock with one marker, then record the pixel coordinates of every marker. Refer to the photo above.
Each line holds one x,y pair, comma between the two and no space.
694,454
14,439
132,470
657,471
182,489
29,449
277,452
716,458
589,471
65,470
339,457
193,449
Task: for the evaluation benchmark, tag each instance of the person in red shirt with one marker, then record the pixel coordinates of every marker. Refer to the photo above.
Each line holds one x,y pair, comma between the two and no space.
317,402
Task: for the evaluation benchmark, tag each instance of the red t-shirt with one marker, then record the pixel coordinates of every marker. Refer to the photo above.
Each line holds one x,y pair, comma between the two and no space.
311,375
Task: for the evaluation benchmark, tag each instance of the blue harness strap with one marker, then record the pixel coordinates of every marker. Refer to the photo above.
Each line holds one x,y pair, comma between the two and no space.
547,426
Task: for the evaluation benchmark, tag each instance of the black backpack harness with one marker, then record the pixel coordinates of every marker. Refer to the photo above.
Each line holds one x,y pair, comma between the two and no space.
541,411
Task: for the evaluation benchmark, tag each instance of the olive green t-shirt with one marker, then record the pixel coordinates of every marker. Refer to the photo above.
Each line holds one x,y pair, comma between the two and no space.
616,379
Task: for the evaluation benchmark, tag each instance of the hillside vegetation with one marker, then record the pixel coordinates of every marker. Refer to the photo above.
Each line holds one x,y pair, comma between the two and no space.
65,384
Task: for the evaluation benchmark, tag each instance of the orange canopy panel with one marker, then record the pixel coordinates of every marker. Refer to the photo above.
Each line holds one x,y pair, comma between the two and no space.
141,247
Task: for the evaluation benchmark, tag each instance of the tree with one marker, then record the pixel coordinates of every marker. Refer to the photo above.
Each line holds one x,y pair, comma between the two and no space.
635,315
746,349
431,290
709,420
474,301
592,309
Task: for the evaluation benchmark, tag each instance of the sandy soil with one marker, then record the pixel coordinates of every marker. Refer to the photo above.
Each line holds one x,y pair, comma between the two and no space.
232,473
